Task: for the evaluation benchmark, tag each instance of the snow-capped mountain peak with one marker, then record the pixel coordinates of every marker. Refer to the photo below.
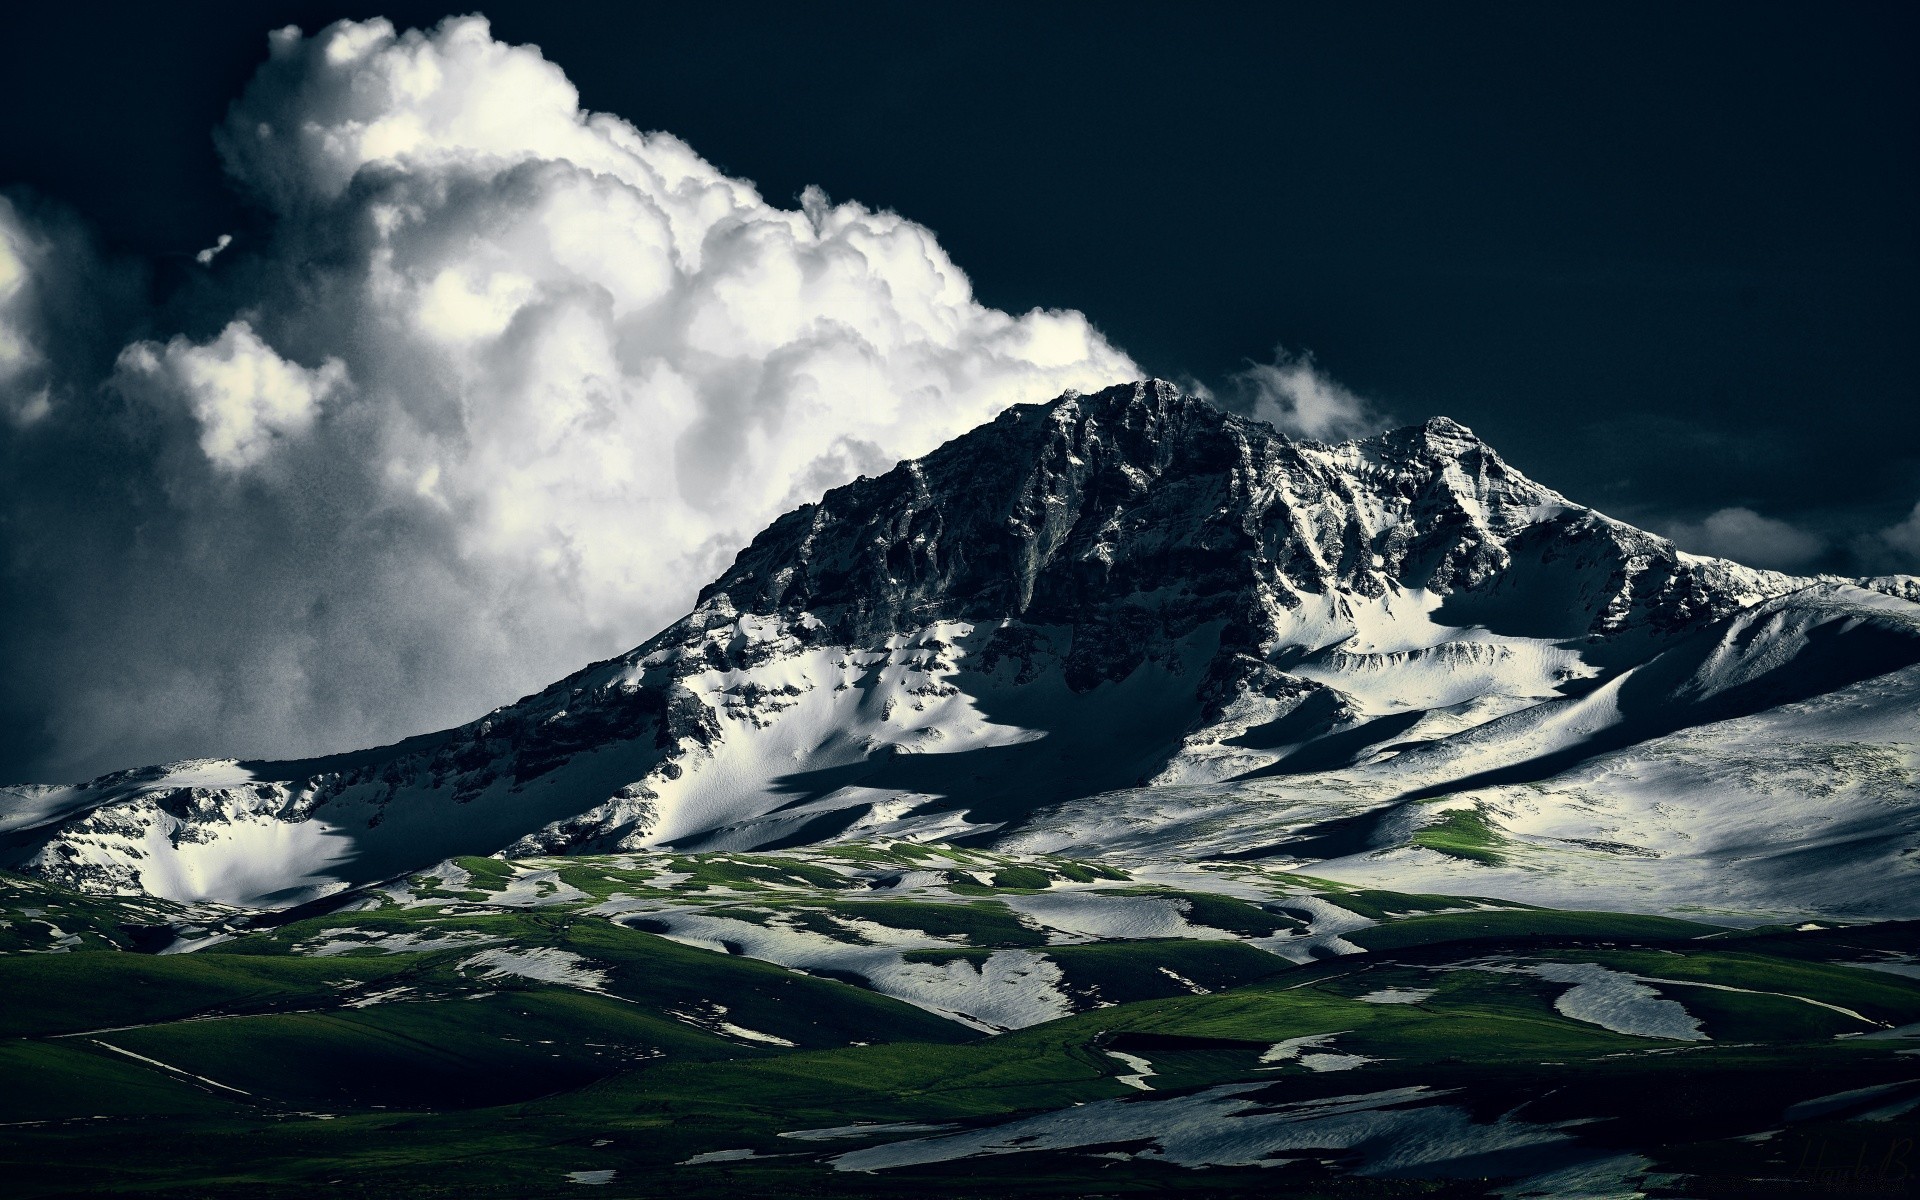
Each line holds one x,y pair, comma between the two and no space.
1110,592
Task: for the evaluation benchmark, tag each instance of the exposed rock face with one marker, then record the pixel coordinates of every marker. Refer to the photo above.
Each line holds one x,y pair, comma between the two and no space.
1096,593
1138,513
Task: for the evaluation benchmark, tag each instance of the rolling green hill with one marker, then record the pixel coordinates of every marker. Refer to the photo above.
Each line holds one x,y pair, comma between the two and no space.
838,1023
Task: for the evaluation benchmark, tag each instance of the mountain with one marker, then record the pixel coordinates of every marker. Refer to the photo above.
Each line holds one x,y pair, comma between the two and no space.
1130,624
1121,798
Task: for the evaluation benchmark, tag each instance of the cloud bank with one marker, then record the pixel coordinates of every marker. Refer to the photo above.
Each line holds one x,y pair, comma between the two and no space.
496,387
1745,536
1903,538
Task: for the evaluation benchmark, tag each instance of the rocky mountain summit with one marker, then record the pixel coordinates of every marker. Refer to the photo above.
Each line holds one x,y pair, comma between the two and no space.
1125,622
1142,500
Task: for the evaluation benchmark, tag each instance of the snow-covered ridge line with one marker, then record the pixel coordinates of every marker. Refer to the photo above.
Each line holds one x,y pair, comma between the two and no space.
1102,593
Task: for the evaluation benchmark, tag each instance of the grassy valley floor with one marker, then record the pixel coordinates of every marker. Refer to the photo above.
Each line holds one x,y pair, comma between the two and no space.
897,1019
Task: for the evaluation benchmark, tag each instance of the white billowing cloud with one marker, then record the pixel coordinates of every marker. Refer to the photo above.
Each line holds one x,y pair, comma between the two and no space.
244,396
636,360
323,107
506,383
1745,536
1294,396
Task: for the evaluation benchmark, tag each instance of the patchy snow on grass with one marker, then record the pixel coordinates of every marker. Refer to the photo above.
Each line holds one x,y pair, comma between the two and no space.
1141,1069
1008,989
711,1015
341,941
1183,981
1011,989
448,876
619,904
1391,1133
908,881
445,876
1395,995
384,996
1094,914
754,1035
839,1132
544,964
190,938
1313,1052
1615,1001
1326,922
536,889
720,1156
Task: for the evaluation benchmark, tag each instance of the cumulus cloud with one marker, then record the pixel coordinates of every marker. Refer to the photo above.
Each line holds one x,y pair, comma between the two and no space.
1745,536
244,396
1296,397
498,386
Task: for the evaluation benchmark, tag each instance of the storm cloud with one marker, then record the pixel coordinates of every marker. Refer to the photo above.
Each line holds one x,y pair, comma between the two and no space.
493,387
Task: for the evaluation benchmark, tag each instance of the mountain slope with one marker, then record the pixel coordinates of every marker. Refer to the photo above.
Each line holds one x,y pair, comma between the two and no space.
1109,603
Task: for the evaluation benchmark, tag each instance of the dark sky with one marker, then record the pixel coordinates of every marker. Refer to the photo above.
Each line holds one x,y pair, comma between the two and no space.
1664,256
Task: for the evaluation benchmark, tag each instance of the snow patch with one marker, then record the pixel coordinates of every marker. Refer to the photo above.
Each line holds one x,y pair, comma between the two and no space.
1313,1051
1141,1070
544,964
1397,995
1397,1132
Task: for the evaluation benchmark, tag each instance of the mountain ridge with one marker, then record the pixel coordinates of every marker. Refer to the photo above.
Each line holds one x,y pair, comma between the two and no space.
1106,591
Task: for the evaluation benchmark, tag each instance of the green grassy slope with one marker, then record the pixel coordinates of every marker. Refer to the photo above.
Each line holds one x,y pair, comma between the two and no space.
260,1067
